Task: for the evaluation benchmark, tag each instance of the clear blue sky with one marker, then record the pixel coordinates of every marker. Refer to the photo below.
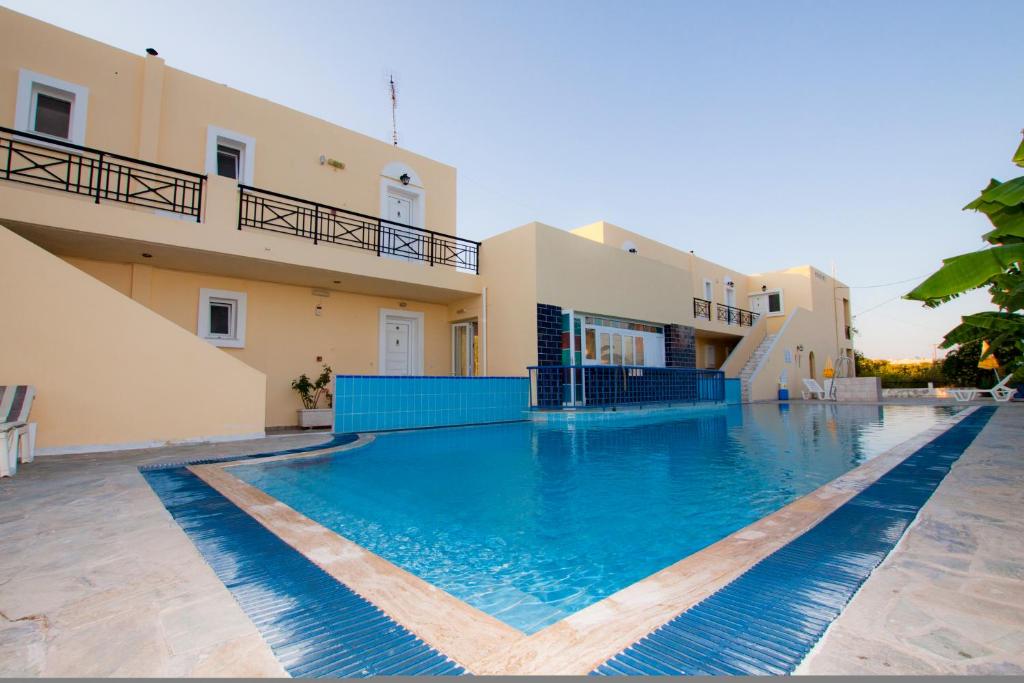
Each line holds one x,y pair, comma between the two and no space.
759,134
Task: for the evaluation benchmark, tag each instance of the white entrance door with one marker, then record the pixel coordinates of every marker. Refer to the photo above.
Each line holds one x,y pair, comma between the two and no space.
398,240
759,303
399,209
401,349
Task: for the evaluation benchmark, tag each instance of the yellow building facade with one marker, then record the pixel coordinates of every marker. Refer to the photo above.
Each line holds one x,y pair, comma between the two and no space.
176,252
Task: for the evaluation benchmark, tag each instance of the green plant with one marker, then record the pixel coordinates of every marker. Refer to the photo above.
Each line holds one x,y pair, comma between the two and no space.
311,392
999,267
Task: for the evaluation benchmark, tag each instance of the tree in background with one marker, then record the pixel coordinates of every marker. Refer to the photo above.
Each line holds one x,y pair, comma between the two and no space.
999,268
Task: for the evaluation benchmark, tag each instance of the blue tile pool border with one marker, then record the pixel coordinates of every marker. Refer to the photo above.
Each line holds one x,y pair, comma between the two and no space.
768,619
315,625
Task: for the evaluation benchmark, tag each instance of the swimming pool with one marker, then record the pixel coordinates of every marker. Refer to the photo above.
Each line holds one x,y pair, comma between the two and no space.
531,522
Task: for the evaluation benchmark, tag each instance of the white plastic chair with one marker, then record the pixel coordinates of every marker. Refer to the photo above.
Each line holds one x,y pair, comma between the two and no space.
17,434
813,390
999,392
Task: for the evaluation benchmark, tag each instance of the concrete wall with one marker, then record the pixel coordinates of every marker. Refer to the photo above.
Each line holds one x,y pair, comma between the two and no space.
859,389
801,328
284,336
109,372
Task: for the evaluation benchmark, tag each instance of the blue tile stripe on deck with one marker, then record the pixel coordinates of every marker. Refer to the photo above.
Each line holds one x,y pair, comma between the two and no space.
315,625
767,620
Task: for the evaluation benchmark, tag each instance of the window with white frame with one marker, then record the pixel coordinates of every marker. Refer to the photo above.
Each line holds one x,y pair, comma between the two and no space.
230,154
51,107
775,302
222,317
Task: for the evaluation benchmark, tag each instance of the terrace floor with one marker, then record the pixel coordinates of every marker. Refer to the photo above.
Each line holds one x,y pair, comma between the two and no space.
97,580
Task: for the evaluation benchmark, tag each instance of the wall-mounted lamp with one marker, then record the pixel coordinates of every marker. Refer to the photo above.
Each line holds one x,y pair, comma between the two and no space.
402,304
632,250
404,178
318,309
800,348
764,288
151,52
730,283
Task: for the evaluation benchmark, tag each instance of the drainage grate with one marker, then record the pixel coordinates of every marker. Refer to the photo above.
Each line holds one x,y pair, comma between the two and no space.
315,625
769,618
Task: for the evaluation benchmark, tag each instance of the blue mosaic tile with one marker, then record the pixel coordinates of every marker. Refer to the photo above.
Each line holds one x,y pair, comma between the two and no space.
315,625
767,620
379,403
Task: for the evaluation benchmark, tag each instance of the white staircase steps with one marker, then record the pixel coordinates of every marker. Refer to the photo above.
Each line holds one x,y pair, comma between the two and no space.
755,359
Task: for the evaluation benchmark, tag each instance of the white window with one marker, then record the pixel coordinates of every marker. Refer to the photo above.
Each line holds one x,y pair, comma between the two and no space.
51,107
708,290
709,356
230,154
775,302
222,317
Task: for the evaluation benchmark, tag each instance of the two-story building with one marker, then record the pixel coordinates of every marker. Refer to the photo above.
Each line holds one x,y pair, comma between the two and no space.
174,253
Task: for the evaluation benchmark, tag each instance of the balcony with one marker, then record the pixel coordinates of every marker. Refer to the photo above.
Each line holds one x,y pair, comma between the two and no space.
40,161
730,315
701,308
276,212
106,177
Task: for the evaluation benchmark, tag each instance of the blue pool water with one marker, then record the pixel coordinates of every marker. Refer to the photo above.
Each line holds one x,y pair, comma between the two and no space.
531,522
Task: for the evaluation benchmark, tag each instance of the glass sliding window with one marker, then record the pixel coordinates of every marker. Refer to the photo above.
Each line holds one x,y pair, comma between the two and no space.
627,350
591,344
606,349
616,349
639,351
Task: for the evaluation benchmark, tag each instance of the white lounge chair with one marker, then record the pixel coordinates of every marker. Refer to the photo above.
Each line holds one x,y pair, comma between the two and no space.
1000,392
813,390
17,434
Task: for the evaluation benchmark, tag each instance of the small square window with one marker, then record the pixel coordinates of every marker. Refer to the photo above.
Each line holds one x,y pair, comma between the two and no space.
222,317
229,161
52,116
774,302
222,314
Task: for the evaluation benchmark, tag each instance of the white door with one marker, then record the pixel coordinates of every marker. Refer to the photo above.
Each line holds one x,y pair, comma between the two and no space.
398,240
759,303
730,297
399,209
398,345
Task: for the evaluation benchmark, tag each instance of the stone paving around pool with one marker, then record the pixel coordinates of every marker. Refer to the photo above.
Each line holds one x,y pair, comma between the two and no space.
97,580
950,598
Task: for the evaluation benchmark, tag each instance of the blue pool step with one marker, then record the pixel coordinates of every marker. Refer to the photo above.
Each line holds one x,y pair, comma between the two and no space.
315,625
767,620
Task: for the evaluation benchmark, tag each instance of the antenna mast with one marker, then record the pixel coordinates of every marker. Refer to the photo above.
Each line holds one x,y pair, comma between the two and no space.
394,109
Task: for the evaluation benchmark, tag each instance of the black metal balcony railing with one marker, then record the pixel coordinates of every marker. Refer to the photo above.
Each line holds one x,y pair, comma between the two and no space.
282,213
564,386
46,162
701,308
730,315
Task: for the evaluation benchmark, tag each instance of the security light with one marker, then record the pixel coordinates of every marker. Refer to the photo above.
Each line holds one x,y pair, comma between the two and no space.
404,178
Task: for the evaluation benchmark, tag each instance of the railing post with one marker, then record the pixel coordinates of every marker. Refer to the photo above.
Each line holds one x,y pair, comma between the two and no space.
99,174
430,248
316,222
241,201
199,201
379,235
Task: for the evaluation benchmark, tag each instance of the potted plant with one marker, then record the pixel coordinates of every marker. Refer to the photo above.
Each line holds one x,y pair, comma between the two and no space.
310,415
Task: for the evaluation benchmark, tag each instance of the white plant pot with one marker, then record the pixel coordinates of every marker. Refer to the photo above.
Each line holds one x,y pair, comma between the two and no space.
315,417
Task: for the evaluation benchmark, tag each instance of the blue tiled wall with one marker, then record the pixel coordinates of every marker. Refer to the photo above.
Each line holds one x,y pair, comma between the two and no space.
369,403
732,390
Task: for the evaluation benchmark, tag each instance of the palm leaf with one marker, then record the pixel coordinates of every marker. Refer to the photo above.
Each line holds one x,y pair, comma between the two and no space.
963,273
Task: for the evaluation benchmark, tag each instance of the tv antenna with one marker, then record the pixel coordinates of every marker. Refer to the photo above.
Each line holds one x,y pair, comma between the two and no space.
394,108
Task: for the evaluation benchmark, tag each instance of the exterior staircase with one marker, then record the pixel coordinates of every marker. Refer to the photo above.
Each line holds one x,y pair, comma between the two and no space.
751,366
